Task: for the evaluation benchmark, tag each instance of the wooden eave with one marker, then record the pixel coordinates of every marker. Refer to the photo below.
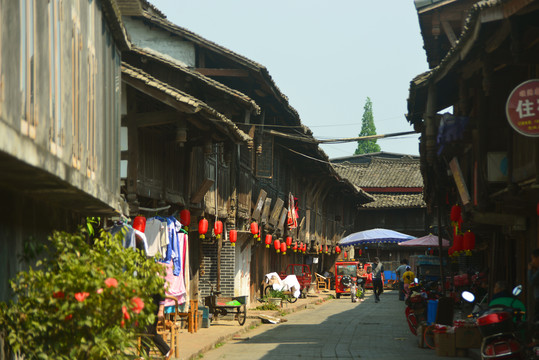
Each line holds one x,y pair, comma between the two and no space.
238,96
114,19
182,102
482,12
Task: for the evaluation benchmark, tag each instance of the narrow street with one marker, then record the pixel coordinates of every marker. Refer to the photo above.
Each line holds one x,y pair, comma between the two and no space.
338,329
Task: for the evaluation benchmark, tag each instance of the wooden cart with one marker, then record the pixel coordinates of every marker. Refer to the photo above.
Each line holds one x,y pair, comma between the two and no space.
218,307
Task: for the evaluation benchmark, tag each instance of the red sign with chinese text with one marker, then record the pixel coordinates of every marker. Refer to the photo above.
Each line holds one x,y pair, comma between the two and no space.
522,108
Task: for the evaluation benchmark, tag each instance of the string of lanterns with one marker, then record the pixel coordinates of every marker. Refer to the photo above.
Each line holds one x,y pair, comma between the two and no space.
463,242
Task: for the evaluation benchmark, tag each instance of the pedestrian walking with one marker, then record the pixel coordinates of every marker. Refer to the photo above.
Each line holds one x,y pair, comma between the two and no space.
400,272
408,278
377,283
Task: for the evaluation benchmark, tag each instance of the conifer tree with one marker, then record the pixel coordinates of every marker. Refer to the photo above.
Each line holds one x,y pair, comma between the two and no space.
367,128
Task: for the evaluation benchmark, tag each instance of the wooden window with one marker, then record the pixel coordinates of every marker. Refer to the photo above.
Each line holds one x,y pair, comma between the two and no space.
264,161
28,66
76,47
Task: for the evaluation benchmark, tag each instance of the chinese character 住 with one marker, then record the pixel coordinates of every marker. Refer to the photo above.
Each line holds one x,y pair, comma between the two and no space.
525,108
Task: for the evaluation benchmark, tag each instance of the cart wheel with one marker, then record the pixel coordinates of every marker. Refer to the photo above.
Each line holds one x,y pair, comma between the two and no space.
292,299
242,314
267,290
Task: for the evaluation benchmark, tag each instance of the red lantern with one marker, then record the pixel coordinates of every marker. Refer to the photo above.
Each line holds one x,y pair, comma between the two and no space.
218,228
139,223
288,241
455,213
450,251
268,240
431,251
277,245
346,255
254,230
202,228
185,218
458,243
295,247
326,249
233,236
337,249
468,242
360,252
283,248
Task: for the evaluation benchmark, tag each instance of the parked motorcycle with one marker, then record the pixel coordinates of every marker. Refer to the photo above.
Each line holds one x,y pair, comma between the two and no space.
504,331
416,303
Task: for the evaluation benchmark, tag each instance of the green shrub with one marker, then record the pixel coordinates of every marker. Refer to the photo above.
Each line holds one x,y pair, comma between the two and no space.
268,306
83,301
277,294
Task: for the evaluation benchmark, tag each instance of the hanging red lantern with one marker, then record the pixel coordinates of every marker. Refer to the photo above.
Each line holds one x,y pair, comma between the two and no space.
304,248
360,252
337,249
283,248
346,254
326,250
254,230
268,240
277,245
218,228
320,249
233,236
458,243
295,247
456,213
288,241
468,242
431,251
202,228
185,218
139,223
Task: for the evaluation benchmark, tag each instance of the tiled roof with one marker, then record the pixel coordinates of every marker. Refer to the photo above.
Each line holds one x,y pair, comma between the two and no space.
197,105
383,173
208,81
396,201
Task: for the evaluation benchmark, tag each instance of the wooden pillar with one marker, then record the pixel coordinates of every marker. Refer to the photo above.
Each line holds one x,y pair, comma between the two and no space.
430,124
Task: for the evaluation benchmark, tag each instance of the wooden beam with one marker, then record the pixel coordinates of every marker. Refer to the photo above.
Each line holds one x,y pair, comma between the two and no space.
449,32
159,95
201,191
517,222
223,72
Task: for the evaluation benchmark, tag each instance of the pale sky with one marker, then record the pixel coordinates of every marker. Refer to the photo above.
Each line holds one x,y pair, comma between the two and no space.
327,57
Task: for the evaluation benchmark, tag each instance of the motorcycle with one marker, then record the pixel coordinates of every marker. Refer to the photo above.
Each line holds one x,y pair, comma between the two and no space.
357,289
503,331
416,303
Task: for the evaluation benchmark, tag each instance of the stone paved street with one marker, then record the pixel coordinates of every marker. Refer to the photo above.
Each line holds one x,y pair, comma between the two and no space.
337,329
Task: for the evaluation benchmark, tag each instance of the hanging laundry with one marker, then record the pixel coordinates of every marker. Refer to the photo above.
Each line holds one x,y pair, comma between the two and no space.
156,235
173,249
174,285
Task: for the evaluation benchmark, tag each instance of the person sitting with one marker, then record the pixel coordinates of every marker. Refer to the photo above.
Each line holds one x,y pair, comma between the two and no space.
503,298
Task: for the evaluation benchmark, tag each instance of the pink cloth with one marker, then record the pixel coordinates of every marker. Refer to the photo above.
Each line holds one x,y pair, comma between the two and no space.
174,285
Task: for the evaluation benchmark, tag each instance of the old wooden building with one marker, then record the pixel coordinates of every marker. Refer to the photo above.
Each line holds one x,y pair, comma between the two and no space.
59,119
471,154
395,182
214,117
